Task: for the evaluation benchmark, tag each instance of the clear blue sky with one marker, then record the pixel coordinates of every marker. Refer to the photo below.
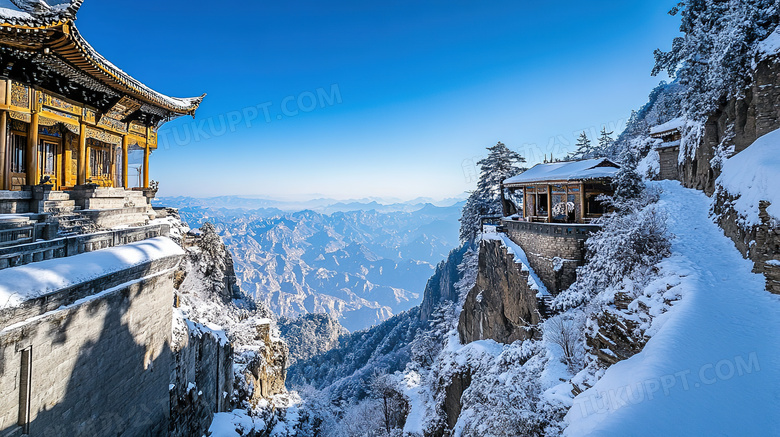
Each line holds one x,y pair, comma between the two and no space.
385,99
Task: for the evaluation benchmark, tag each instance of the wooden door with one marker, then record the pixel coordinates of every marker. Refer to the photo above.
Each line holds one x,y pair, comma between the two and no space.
18,156
50,160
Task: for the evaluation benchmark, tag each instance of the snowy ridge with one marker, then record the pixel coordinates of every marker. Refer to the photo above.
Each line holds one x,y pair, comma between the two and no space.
713,359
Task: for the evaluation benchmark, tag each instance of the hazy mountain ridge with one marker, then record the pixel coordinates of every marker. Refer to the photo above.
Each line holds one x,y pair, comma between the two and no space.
361,267
322,205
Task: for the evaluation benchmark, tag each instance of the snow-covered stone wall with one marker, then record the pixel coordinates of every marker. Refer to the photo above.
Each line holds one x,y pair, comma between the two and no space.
99,360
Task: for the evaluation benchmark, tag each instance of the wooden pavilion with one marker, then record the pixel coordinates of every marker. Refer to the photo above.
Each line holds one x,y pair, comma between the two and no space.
560,192
69,117
670,134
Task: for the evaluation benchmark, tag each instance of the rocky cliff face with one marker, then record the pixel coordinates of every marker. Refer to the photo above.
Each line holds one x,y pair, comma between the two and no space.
441,286
226,349
738,122
501,306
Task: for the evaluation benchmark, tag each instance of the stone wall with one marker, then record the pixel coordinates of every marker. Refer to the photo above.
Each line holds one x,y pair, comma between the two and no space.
100,365
201,382
554,251
760,244
501,306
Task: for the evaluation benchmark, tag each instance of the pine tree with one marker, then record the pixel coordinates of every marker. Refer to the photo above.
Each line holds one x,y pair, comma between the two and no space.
585,148
713,58
500,164
605,142
628,183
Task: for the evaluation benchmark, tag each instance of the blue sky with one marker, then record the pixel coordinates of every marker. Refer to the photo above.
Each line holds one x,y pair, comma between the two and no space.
357,99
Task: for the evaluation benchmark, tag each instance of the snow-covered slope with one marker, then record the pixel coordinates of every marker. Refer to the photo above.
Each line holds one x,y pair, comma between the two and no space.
751,176
713,366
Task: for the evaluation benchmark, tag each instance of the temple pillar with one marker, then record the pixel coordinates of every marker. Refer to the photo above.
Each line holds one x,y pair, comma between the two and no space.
82,161
5,167
125,167
583,206
146,166
33,175
67,158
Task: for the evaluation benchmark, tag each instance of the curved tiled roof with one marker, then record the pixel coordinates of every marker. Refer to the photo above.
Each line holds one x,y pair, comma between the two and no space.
68,44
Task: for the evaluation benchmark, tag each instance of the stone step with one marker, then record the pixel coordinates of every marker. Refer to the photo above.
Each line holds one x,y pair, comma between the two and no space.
58,196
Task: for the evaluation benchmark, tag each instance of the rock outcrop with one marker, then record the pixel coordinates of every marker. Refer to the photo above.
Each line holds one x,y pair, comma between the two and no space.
226,352
501,306
310,335
261,371
738,122
441,286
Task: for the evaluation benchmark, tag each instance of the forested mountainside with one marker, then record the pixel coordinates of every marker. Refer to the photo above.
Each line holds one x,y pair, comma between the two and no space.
361,267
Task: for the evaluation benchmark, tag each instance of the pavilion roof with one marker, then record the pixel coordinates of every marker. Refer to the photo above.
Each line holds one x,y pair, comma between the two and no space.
670,126
600,168
46,28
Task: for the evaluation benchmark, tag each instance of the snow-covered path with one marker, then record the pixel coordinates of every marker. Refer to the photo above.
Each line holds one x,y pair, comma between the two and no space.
713,367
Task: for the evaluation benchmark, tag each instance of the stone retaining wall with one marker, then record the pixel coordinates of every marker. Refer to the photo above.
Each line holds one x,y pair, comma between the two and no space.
554,250
100,365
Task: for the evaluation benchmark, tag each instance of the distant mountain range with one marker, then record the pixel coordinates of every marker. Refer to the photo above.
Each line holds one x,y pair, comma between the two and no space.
323,205
361,266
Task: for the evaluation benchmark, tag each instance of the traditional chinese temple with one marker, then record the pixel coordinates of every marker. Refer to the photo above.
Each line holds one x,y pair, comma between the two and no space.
69,117
560,192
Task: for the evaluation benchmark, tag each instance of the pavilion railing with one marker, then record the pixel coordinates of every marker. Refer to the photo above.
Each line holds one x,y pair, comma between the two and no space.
563,230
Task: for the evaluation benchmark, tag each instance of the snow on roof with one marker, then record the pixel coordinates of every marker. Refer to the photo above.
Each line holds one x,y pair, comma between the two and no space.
670,125
38,12
567,171
752,176
23,283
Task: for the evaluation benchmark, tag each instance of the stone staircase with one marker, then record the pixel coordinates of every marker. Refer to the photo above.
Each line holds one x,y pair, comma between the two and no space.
73,222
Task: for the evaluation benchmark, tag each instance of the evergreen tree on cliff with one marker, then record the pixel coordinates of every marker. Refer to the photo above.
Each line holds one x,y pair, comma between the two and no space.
713,59
500,164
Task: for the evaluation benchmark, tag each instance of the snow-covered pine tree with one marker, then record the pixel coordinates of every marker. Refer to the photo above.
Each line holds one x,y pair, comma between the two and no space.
585,149
500,164
628,183
713,59
605,142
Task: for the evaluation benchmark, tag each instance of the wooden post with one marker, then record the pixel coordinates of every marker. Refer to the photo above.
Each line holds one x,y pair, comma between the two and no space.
549,204
4,161
583,206
125,168
33,176
146,166
82,164
525,201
